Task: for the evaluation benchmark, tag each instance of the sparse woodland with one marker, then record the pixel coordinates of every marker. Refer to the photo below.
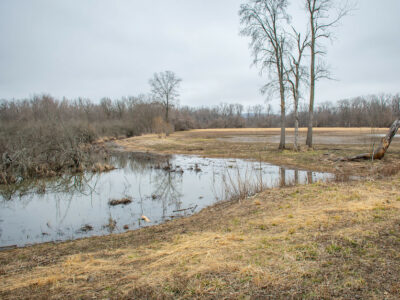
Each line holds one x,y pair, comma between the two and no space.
43,136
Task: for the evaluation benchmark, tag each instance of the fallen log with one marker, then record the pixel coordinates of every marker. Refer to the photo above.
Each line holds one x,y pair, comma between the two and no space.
379,153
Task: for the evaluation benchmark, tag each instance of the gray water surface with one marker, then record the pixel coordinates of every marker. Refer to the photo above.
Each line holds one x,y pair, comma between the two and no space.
161,188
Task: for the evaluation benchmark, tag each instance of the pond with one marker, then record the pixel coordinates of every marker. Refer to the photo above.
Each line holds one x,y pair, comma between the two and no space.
155,189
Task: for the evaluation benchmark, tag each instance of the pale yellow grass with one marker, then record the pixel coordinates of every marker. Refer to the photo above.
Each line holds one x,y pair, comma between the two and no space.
291,129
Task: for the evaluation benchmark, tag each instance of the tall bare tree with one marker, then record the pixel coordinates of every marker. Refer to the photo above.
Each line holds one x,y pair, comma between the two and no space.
295,75
323,16
164,87
263,21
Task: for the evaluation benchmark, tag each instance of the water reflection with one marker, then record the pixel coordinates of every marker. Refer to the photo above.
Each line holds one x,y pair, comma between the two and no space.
167,191
310,179
160,188
282,172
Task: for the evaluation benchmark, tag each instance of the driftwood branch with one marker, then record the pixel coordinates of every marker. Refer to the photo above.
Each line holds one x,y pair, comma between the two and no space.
379,153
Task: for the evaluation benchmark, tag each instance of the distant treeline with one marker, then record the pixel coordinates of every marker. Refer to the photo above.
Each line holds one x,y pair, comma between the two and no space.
137,115
368,111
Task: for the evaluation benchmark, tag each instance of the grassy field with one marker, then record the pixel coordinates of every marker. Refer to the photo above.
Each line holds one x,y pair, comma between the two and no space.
320,241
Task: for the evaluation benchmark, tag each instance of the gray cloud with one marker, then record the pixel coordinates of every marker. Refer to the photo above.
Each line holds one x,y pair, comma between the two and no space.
97,48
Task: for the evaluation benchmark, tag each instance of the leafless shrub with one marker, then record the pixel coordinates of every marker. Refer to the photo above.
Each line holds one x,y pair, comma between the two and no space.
161,127
240,183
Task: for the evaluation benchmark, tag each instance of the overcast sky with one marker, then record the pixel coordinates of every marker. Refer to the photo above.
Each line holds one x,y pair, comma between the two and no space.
110,48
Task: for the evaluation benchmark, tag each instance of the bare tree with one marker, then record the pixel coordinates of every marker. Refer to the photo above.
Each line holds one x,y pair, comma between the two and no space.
164,87
295,75
321,25
263,21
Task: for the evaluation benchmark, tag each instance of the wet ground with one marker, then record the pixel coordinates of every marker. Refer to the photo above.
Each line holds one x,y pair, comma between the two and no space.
153,189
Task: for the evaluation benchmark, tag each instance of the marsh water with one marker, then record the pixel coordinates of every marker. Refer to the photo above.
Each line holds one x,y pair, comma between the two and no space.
159,187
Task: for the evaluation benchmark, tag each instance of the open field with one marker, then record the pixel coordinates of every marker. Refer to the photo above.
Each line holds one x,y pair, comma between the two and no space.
262,144
319,241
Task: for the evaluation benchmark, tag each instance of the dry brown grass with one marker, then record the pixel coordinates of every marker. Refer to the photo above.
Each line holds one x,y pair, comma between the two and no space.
302,129
337,240
99,168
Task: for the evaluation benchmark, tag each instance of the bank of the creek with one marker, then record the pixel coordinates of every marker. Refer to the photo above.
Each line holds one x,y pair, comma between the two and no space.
158,187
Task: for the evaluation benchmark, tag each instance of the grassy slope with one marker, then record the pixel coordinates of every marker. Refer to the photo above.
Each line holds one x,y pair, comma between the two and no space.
319,241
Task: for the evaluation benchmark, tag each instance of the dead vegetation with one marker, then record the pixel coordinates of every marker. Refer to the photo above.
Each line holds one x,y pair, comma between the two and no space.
99,168
111,225
123,201
43,137
86,228
336,240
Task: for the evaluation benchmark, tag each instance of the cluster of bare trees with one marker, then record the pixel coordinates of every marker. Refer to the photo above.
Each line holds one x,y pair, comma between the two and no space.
368,111
43,136
364,111
280,49
225,115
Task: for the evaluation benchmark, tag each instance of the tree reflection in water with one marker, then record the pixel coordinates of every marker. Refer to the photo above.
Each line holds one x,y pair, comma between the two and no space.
282,175
166,190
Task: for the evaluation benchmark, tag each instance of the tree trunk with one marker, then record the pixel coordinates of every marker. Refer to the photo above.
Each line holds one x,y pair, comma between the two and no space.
379,153
309,141
283,115
166,111
296,111
296,130
283,129
167,118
